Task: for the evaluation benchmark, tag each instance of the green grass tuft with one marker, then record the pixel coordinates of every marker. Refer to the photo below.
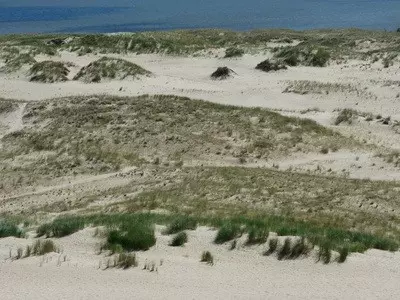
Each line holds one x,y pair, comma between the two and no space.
256,235
179,239
181,223
8,228
227,232
41,247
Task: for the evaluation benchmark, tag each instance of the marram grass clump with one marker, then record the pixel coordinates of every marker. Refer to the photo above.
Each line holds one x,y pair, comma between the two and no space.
227,232
49,72
179,224
8,228
207,257
179,239
110,68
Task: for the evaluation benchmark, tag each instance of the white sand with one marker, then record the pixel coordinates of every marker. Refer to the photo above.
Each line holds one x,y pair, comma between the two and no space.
239,274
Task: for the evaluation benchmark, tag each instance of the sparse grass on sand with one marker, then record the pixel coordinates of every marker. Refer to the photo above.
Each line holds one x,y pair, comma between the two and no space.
49,72
303,87
125,260
16,62
136,232
315,47
107,68
105,133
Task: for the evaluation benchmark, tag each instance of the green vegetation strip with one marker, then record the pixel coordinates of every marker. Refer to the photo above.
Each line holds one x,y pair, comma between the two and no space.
136,231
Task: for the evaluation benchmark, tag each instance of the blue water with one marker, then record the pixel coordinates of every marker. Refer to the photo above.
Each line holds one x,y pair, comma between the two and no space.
139,15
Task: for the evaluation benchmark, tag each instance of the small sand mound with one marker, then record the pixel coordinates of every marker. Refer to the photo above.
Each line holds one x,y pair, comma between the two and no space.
222,73
268,66
49,72
110,68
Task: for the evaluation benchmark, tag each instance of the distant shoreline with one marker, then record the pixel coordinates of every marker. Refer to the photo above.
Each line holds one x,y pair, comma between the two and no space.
234,15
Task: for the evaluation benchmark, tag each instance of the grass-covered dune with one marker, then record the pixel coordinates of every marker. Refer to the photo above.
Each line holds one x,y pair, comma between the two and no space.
49,72
95,134
110,68
339,42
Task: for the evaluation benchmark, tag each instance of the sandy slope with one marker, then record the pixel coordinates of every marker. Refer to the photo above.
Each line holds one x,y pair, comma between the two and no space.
237,274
